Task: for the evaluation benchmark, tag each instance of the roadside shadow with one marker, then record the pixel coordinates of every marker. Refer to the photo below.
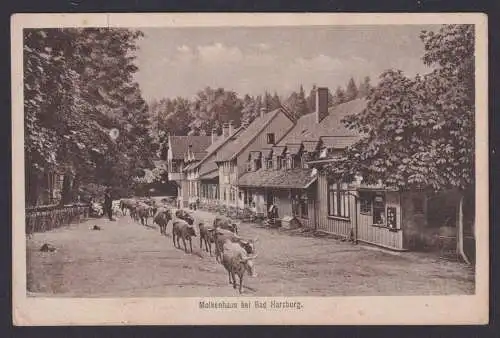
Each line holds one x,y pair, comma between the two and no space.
149,227
249,288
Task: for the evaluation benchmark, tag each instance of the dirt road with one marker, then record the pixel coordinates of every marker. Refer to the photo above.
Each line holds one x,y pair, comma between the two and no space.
125,259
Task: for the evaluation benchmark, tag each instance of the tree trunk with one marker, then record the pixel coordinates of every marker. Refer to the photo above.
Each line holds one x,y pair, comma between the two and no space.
75,187
31,187
460,231
66,190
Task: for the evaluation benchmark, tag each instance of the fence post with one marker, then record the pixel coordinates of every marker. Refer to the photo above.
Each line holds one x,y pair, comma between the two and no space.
48,217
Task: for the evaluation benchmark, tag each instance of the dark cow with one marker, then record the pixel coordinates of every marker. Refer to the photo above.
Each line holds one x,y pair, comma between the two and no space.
182,230
207,235
162,217
142,212
127,204
236,262
225,223
185,216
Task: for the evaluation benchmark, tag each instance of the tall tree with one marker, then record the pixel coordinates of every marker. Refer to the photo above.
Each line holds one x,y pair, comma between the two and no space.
248,111
213,107
419,133
311,99
351,91
275,102
364,88
301,105
338,97
79,85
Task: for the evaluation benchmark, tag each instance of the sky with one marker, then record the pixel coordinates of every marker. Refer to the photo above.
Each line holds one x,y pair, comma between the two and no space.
250,60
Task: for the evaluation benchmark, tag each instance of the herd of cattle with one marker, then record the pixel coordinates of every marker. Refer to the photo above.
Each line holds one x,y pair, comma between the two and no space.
235,253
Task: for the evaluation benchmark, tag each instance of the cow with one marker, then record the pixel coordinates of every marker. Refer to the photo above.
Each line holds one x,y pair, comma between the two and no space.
207,235
154,208
126,204
182,230
142,212
151,203
222,235
225,223
236,262
162,217
185,216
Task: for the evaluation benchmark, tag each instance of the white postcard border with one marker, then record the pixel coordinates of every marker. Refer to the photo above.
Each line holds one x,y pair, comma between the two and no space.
416,310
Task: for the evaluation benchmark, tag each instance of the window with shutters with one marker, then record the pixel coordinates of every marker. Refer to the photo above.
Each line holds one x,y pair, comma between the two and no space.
338,201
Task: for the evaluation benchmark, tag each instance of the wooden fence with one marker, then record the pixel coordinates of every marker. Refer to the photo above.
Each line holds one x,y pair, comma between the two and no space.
48,217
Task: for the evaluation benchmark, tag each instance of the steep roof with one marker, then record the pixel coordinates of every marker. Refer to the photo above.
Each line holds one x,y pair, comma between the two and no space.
310,146
219,144
189,166
198,155
210,175
307,129
208,167
249,134
180,145
338,142
284,178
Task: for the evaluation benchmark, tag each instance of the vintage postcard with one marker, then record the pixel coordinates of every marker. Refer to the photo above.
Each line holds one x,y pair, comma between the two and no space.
250,169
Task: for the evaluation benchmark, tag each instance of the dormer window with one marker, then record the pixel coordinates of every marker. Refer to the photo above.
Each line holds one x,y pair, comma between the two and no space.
283,163
269,164
257,164
303,159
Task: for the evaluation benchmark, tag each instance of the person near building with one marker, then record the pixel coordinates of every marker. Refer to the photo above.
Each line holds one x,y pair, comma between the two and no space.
108,204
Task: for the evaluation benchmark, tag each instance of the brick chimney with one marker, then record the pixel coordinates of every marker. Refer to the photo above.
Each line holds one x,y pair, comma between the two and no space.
231,128
321,103
225,130
214,134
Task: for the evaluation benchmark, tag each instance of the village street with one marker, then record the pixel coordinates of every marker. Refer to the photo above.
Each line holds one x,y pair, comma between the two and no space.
125,259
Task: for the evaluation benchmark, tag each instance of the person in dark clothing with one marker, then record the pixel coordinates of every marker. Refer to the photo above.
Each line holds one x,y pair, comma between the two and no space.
108,204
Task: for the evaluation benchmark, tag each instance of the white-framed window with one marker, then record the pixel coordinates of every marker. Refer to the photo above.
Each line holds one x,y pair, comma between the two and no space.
269,164
379,217
283,163
338,201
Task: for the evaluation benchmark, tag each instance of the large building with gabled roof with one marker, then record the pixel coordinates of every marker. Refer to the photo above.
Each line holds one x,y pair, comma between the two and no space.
182,150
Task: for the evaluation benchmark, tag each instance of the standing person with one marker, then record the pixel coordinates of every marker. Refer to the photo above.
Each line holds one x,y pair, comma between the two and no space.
108,204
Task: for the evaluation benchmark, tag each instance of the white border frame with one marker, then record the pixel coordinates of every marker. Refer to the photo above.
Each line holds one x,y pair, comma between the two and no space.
429,310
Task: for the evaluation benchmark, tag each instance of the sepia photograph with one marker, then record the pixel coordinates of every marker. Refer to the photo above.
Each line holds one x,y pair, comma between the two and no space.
250,168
